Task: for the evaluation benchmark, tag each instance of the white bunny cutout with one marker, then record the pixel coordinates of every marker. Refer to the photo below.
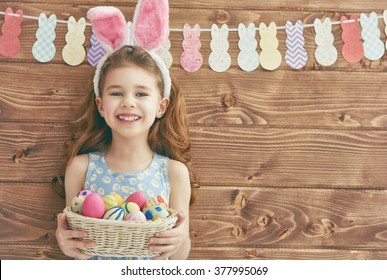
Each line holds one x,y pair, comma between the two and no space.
149,30
326,53
219,59
248,58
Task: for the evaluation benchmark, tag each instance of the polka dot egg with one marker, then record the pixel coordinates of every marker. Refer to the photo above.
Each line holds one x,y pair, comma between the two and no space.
76,204
153,213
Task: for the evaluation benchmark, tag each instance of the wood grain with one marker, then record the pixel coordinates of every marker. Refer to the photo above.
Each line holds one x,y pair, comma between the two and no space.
230,253
290,218
266,223
227,156
315,99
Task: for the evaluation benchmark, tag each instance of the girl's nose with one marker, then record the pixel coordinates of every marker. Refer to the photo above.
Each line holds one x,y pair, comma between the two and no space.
128,101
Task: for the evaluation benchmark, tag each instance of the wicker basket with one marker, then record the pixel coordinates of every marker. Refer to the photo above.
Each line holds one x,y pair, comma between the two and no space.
118,238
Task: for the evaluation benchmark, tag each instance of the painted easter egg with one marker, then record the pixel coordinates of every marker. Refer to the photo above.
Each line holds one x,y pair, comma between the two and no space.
158,200
130,207
84,193
111,200
156,212
137,197
118,197
76,204
115,213
93,206
137,216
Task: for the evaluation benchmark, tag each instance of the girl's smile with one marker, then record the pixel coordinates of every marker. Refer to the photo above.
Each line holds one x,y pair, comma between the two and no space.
131,98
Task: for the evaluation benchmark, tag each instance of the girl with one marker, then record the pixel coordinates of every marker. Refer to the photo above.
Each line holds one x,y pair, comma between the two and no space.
134,137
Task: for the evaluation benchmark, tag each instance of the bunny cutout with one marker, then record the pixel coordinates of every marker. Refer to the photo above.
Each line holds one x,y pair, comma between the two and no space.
44,49
373,46
149,30
326,53
270,56
96,51
352,50
295,55
9,41
73,52
191,59
164,52
248,57
219,59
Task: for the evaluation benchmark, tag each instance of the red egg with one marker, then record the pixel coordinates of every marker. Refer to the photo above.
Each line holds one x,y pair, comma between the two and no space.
93,206
138,197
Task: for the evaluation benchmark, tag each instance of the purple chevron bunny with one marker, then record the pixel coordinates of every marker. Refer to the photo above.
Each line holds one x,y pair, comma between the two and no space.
295,55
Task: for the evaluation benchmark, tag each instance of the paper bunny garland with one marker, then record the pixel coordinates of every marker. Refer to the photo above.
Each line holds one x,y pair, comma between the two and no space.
149,30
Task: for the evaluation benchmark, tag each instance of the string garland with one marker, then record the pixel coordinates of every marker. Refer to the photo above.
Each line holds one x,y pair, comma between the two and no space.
202,29
361,38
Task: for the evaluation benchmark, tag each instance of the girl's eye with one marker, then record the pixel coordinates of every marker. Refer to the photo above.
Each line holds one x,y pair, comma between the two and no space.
116,94
142,94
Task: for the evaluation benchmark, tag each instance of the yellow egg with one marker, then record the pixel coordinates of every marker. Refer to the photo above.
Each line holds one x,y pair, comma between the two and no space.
111,200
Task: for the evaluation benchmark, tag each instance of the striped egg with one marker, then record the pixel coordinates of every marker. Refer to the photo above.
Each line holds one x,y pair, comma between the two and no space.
115,213
111,200
130,207
118,197
137,216
155,201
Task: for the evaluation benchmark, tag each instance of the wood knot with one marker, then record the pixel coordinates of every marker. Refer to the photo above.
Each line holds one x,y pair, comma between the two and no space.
237,232
264,221
240,201
47,236
221,16
326,228
195,234
282,233
229,100
19,154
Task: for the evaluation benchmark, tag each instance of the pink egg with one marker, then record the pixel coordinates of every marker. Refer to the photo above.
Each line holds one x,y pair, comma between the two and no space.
138,197
93,206
84,193
136,217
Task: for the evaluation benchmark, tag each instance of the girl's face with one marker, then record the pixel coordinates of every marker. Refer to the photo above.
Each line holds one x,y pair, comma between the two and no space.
131,101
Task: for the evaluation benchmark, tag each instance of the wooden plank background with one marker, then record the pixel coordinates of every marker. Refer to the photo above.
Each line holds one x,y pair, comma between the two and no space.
292,164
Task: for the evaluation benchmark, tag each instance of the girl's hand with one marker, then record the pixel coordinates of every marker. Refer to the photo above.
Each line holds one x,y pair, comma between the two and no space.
67,239
169,241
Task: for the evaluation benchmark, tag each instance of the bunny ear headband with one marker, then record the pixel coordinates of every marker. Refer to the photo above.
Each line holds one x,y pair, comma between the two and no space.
149,30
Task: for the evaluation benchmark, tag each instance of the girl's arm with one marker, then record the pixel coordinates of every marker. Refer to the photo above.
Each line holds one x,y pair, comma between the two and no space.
176,243
67,239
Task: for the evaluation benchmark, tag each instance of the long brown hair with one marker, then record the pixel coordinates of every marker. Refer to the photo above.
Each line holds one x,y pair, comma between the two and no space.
168,136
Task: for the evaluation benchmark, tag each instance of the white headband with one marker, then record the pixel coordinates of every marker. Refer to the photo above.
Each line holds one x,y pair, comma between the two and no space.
160,63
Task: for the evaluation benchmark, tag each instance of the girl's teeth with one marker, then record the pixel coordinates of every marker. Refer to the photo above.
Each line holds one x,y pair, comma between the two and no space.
129,119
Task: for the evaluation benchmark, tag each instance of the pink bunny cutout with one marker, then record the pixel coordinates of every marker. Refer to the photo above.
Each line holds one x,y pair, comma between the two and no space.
191,59
149,30
11,29
353,50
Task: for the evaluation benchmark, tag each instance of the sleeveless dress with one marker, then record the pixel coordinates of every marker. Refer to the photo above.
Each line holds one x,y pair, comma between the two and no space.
152,181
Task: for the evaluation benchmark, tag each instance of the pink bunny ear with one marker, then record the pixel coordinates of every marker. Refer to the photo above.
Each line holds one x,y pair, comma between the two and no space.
150,23
109,26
